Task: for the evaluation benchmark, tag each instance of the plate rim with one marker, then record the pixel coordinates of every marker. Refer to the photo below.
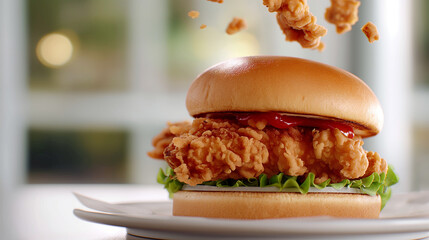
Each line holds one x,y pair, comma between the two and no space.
275,227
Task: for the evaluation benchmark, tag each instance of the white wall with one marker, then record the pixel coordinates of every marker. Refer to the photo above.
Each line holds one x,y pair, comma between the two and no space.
12,116
387,67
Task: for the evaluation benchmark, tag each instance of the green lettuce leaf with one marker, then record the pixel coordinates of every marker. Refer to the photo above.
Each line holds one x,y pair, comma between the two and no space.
371,185
169,181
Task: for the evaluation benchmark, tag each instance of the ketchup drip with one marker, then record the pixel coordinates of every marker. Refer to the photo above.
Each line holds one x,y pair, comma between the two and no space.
282,121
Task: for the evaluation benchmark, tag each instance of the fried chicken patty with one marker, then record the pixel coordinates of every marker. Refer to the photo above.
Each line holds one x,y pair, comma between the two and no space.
212,149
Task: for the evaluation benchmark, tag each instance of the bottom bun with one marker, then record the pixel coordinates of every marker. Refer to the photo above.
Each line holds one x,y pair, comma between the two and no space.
262,205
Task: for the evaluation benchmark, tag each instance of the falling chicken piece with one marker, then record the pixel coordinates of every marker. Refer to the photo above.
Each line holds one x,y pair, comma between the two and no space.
297,22
203,26
217,1
236,25
193,14
343,13
370,30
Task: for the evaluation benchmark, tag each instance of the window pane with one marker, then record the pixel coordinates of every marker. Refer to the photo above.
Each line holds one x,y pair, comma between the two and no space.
421,151
422,53
77,45
420,105
77,156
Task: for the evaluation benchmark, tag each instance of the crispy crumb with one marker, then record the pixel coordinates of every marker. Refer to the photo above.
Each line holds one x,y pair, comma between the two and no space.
370,31
321,47
217,1
193,14
297,22
343,13
236,25
203,26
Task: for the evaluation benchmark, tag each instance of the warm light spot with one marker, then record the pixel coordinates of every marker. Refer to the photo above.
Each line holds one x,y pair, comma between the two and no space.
54,50
243,44
226,46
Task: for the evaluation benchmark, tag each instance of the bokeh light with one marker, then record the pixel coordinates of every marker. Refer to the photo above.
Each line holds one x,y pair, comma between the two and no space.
54,50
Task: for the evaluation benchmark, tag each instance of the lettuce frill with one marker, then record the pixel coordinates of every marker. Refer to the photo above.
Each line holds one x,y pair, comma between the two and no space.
371,185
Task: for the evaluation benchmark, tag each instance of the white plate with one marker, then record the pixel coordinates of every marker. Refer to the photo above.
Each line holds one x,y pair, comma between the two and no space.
162,225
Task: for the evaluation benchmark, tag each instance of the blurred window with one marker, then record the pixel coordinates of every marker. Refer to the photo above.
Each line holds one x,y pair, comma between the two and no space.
422,44
421,156
77,156
421,96
77,45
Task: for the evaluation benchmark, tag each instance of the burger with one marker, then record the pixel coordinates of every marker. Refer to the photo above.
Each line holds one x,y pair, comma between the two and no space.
275,137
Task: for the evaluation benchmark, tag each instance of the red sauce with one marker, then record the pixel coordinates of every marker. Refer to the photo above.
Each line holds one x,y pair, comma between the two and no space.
282,121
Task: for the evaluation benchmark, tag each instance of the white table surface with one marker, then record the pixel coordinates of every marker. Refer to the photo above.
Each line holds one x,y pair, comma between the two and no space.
46,211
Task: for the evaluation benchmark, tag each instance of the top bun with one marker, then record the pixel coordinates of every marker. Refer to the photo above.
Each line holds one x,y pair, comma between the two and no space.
287,85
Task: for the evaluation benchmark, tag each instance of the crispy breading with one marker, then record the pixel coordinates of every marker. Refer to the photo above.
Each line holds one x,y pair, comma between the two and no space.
236,25
343,13
376,164
370,31
287,151
340,153
297,22
163,139
193,14
213,149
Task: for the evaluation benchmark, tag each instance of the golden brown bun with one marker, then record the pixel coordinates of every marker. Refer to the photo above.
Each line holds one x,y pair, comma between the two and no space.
262,205
287,85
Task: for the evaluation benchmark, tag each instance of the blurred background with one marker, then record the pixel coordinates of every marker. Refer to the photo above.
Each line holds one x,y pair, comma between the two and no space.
86,84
